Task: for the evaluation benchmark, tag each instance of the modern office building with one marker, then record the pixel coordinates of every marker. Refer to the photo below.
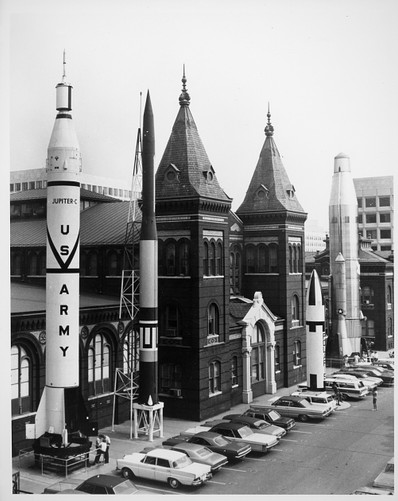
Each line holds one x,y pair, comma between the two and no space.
375,196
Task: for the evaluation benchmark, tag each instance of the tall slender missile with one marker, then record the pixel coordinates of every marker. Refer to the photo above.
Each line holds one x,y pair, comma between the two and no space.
343,231
148,315
62,265
315,328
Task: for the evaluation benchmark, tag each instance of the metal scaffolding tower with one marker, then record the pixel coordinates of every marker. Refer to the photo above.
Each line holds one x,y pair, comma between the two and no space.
126,378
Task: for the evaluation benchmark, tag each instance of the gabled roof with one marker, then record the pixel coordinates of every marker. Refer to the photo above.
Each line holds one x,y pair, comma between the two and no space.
102,224
185,170
270,189
41,194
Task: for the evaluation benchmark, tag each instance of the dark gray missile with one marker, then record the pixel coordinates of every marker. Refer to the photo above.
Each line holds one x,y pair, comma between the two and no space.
148,315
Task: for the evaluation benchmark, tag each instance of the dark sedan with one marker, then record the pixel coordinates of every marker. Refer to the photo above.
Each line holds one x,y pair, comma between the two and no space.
215,442
98,484
386,375
271,416
257,425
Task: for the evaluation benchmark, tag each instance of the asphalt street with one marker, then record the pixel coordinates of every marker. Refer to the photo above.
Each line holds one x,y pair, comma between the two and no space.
337,455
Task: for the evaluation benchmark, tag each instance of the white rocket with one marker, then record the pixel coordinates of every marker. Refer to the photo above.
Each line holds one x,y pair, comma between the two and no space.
315,329
343,239
62,274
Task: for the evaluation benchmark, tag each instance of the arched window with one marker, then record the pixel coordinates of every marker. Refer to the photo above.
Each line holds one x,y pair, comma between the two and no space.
92,264
234,371
21,391
299,259
273,258
131,349
16,264
33,264
99,365
235,271
277,358
389,327
257,354
250,259
389,295
183,257
42,263
262,259
219,260
367,295
297,353
212,258
294,259
214,377
170,379
171,320
295,306
290,259
171,258
213,320
206,270
111,264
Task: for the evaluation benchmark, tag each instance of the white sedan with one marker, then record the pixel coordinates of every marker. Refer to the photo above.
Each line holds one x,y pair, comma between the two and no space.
164,465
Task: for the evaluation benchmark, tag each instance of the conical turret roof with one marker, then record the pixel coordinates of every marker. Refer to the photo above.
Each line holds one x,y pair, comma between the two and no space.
270,189
185,170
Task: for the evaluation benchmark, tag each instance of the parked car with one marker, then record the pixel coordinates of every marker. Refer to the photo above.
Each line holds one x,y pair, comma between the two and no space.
215,442
257,425
369,385
386,375
299,408
385,480
201,454
363,491
239,433
164,465
349,388
367,380
384,365
98,484
271,416
317,397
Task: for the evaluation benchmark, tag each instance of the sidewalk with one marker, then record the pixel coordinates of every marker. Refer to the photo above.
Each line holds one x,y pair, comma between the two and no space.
34,481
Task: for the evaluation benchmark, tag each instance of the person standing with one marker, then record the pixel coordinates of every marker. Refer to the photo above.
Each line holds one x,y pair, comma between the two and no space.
108,443
100,445
375,399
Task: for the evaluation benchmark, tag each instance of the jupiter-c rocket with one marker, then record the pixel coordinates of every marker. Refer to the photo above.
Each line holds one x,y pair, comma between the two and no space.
63,168
148,315
343,250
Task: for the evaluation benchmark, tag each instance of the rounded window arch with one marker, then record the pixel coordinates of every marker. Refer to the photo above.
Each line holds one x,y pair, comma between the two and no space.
213,320
171,258
389,294
183,257
212,258
33,263
219,259
99,364
214,377
234,371
273,258
21,380
112,264
92,264
235,269
16,264
297,353
206,270
131,350
277,357
295,310
257,358
250,259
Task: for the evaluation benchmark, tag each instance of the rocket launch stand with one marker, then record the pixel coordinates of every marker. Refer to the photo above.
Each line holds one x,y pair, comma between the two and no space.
148,419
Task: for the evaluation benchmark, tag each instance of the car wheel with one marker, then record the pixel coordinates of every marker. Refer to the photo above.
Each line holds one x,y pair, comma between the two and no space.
173,482
127,473
303,418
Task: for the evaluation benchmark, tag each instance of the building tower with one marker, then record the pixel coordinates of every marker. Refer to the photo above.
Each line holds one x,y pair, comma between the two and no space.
192,222
273,257
343,247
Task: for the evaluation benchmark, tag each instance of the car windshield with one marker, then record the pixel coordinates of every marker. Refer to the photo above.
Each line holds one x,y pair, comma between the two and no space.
260,425
203,452
125,488
244,432
274,415
182,462
220,440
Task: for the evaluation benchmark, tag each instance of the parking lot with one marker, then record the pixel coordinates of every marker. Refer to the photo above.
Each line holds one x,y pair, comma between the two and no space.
337,455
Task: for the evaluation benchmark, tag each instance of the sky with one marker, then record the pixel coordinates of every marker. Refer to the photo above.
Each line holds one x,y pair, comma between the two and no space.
328,69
